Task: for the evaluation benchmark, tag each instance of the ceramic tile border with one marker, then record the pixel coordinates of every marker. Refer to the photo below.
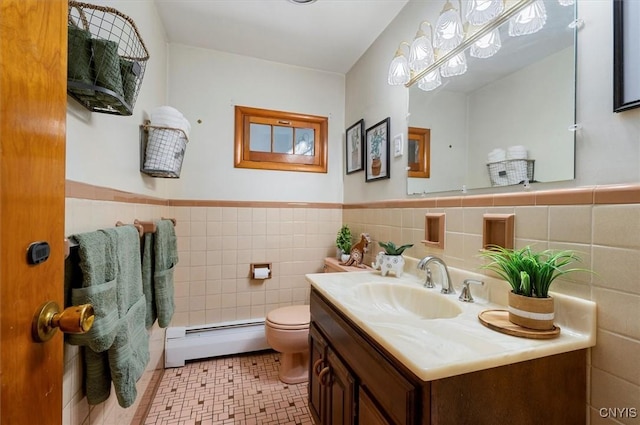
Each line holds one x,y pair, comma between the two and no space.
98,193
589,195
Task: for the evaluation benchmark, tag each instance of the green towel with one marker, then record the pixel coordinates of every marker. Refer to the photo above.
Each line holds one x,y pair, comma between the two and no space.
147,279
79,59
129,79
107,65
110,264
165,259
129,354
98,288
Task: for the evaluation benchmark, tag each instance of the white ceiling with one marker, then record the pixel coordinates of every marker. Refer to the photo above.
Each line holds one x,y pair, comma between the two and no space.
328,35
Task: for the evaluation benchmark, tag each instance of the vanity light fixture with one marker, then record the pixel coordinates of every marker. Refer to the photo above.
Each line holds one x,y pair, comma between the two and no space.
479,12
455,66
487,46
449,31
421,51
455,62
399,72
529,20
302,1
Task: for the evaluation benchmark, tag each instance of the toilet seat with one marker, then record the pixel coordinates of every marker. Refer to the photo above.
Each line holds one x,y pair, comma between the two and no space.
289,318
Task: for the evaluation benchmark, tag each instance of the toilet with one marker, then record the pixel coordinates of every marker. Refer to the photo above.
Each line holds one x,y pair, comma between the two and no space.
287,332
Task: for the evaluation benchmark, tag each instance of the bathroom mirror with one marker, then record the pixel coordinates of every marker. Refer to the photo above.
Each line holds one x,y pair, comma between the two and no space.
524,95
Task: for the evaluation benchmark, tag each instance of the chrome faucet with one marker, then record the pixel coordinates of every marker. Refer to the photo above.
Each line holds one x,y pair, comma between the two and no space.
447,285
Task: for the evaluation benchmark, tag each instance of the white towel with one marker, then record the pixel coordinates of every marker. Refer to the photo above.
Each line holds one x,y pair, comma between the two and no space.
167,116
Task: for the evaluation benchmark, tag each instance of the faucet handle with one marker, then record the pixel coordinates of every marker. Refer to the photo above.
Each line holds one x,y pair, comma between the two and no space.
465,294
428,282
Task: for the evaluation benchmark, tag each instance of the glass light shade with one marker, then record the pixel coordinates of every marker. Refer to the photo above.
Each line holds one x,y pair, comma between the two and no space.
399,71
449,31
430,81
487,46
529,20
457,65
479,12
421,53
566,2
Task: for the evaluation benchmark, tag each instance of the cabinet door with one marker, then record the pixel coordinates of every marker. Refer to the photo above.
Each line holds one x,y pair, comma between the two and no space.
341,409
318,361
368,412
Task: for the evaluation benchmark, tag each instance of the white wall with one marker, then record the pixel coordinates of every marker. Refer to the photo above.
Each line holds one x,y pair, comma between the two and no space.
103,149
607,145
205,85
541,123
442,112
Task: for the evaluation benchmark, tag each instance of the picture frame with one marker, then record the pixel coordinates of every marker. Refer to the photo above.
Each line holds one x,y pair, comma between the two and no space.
377,151
354,147
626,55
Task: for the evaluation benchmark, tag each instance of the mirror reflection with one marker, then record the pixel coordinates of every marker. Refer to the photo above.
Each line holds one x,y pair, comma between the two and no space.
507,120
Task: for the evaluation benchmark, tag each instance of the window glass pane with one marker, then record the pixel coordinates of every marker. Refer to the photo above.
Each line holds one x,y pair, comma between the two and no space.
304,141
259,137
282,139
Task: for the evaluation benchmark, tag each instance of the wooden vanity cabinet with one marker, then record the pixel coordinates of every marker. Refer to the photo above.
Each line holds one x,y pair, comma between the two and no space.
365,385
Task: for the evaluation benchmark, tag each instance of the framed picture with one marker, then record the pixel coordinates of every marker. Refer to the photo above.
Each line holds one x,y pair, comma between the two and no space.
354,147
626,55
377,151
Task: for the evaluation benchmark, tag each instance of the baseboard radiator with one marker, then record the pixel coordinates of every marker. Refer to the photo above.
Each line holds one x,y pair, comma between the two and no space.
219,339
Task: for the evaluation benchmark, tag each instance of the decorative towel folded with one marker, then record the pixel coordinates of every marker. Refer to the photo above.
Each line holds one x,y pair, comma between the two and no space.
99,270
79,60
517,166
147,279
497,167
165,258
129,354
107,65
112,282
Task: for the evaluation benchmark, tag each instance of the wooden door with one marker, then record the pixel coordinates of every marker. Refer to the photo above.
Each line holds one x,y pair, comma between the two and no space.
33,56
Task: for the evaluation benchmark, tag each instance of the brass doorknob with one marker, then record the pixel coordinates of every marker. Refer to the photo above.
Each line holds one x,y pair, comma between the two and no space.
75,319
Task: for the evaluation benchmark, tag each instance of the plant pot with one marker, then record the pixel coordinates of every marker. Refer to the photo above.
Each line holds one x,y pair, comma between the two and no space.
376,165
531,312
389,263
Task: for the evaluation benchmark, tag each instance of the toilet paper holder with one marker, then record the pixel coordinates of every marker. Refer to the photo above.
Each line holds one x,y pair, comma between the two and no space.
258,271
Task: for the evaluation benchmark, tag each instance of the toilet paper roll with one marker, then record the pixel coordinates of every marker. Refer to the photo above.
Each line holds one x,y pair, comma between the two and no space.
261,273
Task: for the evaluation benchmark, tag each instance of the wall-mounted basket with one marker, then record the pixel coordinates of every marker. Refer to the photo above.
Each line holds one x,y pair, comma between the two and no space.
511,171
162,150
107,59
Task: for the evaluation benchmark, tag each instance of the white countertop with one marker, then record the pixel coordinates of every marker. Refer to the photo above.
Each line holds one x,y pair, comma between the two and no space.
439,348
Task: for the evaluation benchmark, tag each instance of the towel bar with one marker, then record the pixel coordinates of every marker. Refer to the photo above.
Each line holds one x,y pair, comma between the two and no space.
136,225
147,226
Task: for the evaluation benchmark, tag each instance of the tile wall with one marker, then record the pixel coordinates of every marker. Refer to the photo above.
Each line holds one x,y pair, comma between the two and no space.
217,244
604,228
218,240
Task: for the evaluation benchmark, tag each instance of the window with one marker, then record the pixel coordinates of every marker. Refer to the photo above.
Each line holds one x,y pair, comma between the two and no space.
419,147
275,140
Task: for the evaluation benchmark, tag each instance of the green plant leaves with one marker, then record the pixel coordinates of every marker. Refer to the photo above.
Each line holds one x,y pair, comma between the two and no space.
529,273
390,248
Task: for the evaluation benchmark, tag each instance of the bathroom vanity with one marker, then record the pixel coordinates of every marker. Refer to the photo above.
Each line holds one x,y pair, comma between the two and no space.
376,358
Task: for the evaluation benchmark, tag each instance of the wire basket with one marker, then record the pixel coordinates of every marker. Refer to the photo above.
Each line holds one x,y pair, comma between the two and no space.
162,151
107,59
511,171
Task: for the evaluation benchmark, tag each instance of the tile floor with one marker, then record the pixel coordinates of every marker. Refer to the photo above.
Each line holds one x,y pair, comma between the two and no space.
242,389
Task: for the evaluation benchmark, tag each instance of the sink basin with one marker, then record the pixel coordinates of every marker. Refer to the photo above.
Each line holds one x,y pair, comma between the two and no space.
404,300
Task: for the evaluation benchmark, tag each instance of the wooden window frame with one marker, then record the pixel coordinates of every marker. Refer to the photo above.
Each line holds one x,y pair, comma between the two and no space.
423,136
245,158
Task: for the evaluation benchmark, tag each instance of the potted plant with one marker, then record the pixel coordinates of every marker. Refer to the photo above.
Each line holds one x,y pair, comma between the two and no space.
343,243
530,275
391,258
376,152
